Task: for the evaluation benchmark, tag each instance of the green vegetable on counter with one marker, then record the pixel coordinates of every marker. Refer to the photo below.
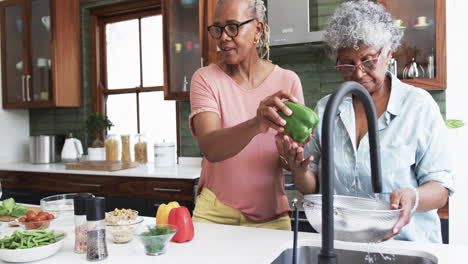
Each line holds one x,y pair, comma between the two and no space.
156,238
9,207
301,123
454,123
157,231
29,239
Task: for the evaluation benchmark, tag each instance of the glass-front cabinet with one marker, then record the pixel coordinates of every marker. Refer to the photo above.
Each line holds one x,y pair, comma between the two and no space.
40,53
15,67
421,58
187,45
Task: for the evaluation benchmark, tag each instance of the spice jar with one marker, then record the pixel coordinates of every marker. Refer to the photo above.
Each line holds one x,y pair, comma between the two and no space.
80,222
96,236
141,149
112,148
126,148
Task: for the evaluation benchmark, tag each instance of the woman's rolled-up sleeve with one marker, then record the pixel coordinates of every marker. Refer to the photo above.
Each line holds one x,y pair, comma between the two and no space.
433,158
202,98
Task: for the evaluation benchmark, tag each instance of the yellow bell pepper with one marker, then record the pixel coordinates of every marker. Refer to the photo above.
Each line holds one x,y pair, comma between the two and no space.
163,212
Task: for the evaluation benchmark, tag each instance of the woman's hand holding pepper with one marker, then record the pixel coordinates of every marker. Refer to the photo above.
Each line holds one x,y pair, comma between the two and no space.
266,112
292,154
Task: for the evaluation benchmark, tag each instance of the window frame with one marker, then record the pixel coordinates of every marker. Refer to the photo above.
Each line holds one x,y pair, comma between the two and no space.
110,14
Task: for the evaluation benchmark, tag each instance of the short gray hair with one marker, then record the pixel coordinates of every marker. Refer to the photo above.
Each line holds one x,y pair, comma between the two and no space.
361,22
258,11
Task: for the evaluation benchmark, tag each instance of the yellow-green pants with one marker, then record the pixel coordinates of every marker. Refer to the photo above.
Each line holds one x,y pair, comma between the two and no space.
208,209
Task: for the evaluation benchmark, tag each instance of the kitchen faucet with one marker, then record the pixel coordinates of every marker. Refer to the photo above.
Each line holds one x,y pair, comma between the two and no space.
327,253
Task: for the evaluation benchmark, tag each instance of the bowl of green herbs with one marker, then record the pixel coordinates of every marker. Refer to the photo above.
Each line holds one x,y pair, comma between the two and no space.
155,238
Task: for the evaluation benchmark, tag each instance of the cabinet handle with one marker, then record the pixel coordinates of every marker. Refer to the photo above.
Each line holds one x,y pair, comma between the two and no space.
28,80
166,190
85,184
201,61
8,180
23,78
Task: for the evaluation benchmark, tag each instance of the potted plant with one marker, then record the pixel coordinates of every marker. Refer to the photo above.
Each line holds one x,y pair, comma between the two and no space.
96,125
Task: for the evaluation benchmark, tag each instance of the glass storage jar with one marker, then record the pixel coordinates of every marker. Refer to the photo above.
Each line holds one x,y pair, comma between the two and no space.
112,148
126,155
141,149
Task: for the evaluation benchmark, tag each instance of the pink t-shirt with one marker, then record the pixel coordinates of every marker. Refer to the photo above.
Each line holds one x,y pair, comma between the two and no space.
252,181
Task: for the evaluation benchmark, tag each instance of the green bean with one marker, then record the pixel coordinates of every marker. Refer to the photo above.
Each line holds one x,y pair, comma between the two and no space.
29,239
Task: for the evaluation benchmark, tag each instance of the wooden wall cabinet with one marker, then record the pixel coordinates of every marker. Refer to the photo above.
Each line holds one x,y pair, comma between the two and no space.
187,45
423,23
40,42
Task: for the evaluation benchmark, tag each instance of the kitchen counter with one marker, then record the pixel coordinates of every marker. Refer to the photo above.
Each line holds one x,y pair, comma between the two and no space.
233,244
188,172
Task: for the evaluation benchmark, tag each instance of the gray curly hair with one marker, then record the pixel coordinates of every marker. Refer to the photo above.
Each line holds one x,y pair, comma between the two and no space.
258,11
361,22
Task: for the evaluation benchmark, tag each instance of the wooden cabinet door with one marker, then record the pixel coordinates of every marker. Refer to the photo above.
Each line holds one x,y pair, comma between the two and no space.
211,52
423,23
15,63
187,44
182,46
40,53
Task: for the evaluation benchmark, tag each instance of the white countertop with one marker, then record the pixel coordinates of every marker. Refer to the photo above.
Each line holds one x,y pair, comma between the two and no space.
186,171
233,244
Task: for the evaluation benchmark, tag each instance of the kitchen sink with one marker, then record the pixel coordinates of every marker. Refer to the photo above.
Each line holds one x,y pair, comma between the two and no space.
309,255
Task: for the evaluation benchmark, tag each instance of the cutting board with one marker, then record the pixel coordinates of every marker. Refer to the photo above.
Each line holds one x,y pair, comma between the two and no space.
101,165
7,218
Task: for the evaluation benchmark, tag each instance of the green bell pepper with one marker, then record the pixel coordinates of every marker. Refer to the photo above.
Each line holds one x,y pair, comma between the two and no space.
301,123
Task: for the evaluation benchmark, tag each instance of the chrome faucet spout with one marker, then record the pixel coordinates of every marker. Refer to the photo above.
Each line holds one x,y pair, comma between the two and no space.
327,254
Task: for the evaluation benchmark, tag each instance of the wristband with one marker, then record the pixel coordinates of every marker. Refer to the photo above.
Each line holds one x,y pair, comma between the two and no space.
416,201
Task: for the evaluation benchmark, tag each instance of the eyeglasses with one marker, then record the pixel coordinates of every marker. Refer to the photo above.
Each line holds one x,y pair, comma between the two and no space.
231,29
366,66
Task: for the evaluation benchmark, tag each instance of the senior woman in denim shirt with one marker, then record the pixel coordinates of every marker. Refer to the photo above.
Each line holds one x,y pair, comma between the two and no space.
416,173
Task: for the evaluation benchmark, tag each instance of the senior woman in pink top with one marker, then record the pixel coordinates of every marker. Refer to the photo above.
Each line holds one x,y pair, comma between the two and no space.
234,120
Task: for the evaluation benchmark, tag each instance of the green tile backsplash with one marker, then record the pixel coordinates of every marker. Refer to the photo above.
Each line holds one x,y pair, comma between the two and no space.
315,70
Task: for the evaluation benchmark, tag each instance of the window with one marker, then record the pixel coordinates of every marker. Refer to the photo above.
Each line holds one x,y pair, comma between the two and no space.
130,72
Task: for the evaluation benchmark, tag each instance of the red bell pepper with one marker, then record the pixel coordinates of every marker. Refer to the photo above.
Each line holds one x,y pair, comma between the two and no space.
181,218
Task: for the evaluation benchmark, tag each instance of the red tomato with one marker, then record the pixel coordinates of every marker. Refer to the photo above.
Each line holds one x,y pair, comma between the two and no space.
30,214
34,219
50,217
29,226
22,219
41,217
42,213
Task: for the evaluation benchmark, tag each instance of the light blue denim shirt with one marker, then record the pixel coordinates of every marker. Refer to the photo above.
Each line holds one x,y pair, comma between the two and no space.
413,141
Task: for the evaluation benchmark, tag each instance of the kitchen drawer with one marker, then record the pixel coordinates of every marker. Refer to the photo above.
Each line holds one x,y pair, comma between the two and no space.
159,189
61,183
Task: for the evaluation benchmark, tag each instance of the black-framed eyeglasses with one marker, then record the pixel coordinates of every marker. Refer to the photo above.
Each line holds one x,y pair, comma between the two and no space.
231,29
366,66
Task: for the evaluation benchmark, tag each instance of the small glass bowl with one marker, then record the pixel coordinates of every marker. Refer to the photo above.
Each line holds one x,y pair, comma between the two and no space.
60,204
35,225
123,233
156,245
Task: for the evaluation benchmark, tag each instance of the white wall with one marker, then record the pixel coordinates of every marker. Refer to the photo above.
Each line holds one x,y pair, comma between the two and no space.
14,133
457,108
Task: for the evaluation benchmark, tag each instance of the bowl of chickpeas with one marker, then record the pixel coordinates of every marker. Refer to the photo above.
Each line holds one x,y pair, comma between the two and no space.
121,224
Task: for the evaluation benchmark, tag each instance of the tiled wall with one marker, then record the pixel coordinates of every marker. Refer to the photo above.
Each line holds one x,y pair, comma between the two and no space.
309,61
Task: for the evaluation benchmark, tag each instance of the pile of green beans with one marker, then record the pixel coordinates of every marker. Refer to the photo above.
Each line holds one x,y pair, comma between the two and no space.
29,239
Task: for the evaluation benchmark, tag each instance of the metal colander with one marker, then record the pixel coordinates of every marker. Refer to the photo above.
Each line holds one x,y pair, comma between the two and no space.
356,219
